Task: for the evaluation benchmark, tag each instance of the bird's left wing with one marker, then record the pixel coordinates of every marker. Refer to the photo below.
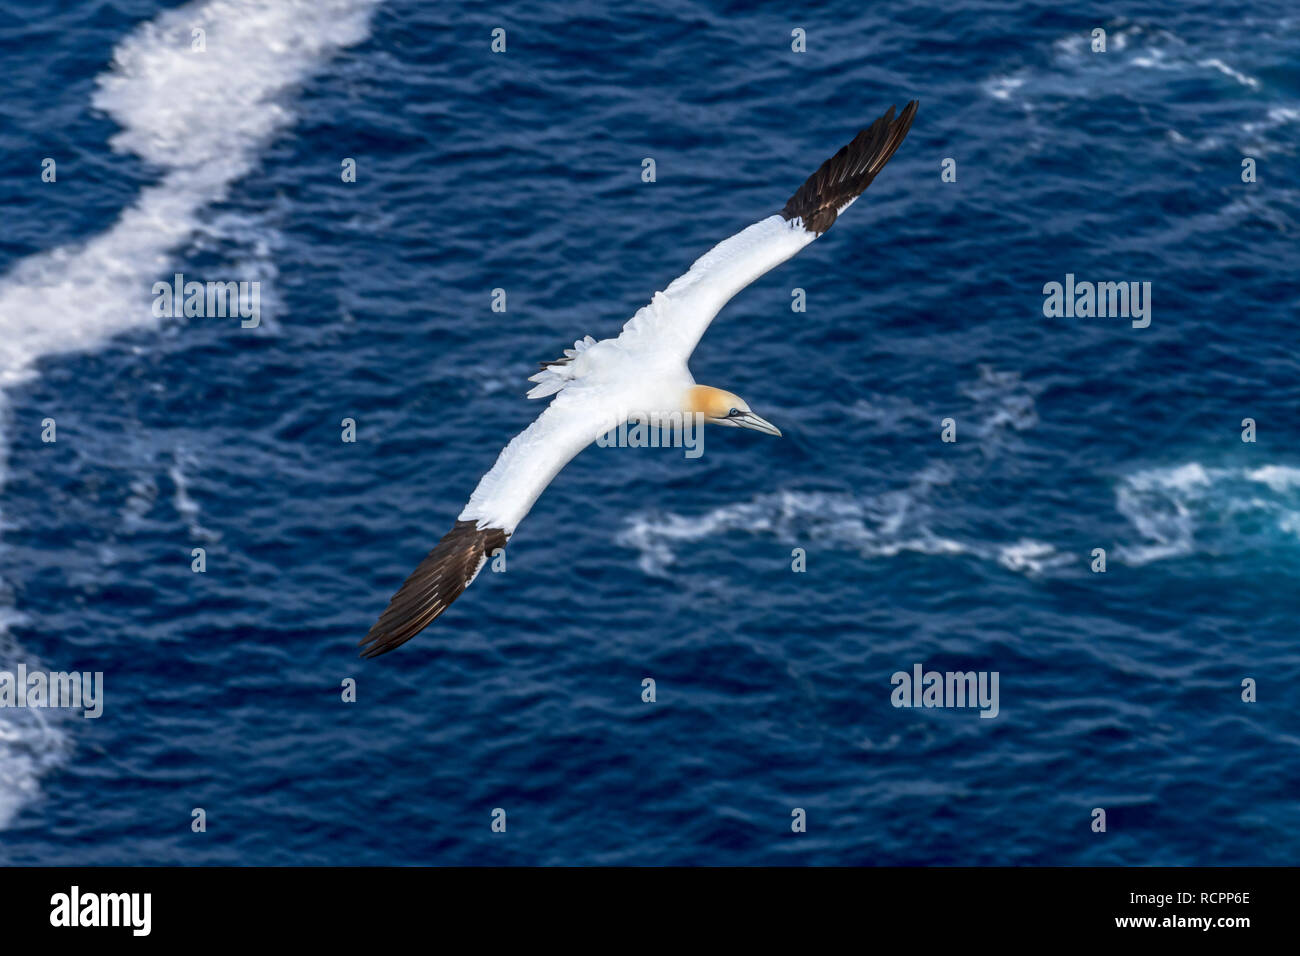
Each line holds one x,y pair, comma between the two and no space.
677,317
503,496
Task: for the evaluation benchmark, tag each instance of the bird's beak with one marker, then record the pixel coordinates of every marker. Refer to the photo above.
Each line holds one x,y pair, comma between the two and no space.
750,420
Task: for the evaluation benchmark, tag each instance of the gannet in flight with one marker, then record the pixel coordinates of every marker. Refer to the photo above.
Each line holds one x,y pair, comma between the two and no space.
642,372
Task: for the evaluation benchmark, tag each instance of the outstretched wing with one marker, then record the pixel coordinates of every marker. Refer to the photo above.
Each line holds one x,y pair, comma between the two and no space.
503,496
678,316
440,578
674,320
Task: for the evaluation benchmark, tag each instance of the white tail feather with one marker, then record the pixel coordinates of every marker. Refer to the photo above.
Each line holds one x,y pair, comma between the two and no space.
554,377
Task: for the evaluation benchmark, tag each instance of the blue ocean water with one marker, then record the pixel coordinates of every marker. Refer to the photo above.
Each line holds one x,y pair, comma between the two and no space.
522,171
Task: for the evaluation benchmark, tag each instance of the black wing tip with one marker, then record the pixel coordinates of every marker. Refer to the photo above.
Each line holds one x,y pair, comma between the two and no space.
429,590
848,173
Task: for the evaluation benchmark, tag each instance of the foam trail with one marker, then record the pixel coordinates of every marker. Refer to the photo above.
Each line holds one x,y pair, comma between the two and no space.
201,118
881,525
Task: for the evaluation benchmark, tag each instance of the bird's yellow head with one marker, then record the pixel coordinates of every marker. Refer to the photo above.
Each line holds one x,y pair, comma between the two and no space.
725,408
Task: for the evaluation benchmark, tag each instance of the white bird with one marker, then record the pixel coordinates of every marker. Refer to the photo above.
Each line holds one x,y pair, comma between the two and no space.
638,375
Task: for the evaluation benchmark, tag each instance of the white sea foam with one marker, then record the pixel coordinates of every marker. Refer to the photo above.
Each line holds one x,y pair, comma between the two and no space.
1215,63
185,505
882,525
33,741
1175,510
1001,404
1280,478
1031,557
1179,510
200,119
1136,58
1003,87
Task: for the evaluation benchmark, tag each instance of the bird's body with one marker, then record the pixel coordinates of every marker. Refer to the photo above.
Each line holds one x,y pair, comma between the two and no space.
642,374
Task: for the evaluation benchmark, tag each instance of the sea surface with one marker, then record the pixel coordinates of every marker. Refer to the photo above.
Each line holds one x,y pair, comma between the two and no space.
522,170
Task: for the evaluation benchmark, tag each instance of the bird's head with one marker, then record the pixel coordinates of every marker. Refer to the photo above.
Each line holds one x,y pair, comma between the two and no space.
725,408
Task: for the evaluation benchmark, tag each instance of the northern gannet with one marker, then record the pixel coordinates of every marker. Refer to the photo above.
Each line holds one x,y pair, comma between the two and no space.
642,372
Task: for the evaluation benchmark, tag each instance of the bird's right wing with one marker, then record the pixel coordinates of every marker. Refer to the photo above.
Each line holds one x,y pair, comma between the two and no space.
677,317
503,496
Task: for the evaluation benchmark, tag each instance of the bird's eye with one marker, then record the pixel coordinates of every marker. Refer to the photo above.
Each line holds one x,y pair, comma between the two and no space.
733,413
